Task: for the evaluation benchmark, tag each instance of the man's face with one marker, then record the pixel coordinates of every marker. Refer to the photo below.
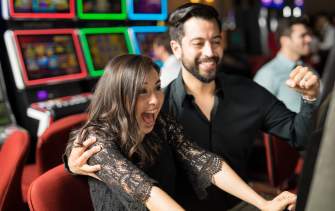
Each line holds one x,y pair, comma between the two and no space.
299,41
201,48
157,51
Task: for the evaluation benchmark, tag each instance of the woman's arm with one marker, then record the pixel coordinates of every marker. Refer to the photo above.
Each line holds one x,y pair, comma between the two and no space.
205,168
229,181
112,168
161,201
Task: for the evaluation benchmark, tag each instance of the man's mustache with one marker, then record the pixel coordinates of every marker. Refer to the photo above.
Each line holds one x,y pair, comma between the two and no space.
214,59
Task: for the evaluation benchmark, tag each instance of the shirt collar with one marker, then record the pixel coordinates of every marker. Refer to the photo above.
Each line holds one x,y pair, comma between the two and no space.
285,62
179,92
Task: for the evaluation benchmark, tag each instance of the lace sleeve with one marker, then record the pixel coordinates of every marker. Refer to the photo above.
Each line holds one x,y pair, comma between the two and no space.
199,164
118,172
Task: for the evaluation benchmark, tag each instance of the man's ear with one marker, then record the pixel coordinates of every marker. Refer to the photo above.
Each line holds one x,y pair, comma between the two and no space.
176,48
283,40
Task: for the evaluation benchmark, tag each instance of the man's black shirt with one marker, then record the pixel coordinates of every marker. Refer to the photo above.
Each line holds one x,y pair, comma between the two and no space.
241,109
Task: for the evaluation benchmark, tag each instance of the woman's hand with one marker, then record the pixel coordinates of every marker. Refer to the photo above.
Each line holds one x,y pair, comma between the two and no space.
79,155
281,202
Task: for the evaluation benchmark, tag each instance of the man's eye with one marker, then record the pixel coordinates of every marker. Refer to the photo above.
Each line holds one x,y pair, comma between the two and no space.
197,44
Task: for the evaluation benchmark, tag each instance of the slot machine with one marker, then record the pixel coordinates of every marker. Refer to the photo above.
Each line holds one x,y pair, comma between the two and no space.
100,45
57,50
42,62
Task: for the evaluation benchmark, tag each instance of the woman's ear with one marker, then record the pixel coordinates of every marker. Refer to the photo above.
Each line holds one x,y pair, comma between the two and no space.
176,48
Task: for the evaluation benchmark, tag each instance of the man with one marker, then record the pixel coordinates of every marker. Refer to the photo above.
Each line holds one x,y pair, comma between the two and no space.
162,51
326,32
220,113
295,40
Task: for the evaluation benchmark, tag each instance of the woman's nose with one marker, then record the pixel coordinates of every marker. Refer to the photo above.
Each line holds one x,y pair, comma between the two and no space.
153,99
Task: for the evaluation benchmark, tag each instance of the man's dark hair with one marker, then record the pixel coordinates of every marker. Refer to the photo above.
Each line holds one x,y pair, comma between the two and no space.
187,11
285,26
163,40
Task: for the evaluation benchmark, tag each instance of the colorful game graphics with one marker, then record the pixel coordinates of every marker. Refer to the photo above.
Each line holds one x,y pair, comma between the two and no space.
101,45
102,9
142,39
49,56
35,9
147,9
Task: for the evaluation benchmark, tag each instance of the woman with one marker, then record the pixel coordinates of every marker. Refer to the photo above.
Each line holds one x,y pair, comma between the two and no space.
139,146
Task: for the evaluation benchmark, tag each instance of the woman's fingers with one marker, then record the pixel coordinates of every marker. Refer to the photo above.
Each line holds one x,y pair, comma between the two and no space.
87,154
79,155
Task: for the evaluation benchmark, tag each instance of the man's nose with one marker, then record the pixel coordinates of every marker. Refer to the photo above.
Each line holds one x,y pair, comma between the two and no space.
208,50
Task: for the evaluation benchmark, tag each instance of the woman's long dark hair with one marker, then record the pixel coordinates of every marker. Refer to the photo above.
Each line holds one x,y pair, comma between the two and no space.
112,109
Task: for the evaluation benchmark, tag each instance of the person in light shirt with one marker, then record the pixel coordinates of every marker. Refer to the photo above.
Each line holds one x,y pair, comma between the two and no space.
162,51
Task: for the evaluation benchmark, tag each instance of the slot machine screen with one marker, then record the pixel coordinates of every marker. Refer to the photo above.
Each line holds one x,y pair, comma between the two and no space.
147,9
102,6
104,47
145,41
148,6
102,9
49,57
41,6
101,45
143,38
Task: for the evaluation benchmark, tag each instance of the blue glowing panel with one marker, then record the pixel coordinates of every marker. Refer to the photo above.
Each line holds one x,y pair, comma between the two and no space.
142,39
276,4
147,9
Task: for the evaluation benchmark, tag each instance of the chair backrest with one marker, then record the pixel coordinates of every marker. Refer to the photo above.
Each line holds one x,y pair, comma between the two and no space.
57,190
51,144
281,159
12,158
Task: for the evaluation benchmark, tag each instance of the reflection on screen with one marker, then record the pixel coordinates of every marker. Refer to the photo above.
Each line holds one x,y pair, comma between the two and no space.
102,6
145,41
104,47
147,7
48,56
42,6
4,114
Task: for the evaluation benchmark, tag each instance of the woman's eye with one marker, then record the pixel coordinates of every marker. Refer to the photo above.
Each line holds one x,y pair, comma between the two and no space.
158,87
143,92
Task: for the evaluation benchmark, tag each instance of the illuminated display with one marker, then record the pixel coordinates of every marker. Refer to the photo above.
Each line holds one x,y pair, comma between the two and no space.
143,37
147,9
147,6
102,44
273,3
41,8
102,9
49,57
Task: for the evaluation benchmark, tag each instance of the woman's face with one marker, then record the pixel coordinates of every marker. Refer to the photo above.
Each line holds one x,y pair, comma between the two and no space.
149,102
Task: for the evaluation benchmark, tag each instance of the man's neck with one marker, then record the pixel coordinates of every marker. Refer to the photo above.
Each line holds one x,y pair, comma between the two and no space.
195,87
289,55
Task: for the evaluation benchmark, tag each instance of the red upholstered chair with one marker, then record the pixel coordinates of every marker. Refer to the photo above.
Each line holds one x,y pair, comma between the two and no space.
50,148
282,161
57,190
12,158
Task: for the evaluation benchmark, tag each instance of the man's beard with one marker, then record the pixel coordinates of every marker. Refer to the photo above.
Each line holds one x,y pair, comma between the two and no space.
195,71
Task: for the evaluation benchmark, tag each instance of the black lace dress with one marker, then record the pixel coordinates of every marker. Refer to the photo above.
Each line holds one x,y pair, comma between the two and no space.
125,186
